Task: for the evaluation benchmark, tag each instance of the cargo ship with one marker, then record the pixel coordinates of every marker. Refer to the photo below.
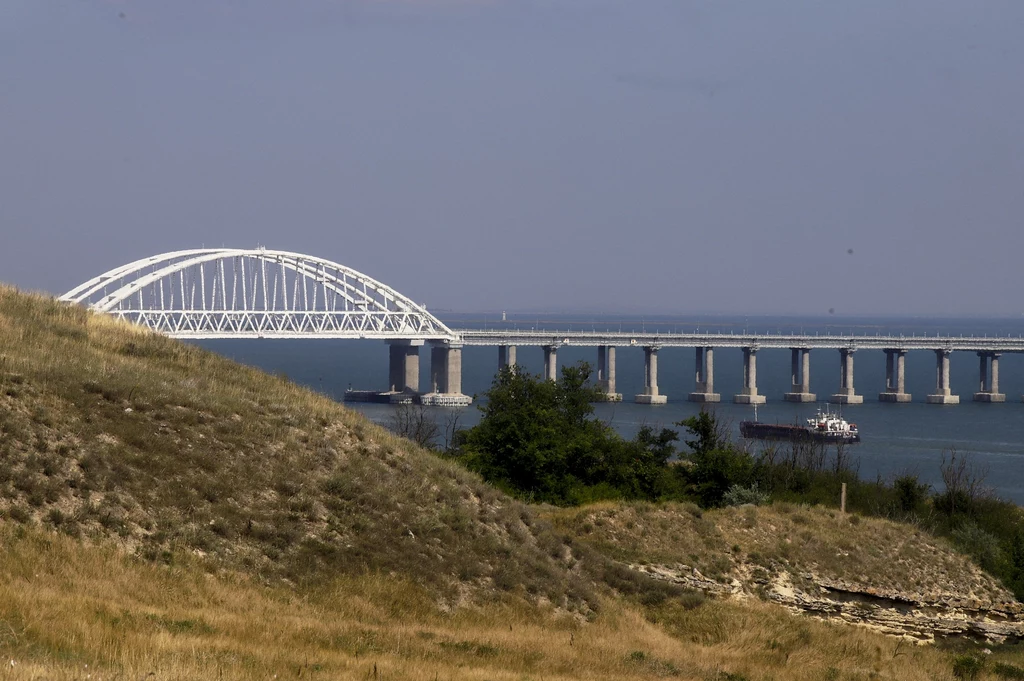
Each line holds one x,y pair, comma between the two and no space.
824,427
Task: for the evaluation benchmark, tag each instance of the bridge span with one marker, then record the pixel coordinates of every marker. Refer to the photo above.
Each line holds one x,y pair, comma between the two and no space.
988,350
262,293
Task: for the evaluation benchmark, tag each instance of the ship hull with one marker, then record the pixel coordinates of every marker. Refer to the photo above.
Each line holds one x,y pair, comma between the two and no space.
793,433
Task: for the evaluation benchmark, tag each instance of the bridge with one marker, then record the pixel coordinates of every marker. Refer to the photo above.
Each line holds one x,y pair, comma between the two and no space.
261,293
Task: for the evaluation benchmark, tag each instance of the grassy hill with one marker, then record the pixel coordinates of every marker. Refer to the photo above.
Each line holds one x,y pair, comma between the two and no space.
109,431
166,513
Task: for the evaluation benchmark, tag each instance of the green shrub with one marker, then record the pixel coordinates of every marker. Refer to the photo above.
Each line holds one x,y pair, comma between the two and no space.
910,493
738,496
967,667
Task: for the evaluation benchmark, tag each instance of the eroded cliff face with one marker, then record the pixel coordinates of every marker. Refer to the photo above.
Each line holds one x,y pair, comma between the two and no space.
890,577
890,612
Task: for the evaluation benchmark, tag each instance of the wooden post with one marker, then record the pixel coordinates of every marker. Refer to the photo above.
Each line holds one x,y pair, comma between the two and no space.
842,500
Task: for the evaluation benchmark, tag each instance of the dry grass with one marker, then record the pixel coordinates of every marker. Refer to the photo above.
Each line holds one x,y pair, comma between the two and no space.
110,432
68,611
871,554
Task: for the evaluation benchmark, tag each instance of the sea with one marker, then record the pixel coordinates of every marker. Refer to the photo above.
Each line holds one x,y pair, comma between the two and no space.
896,438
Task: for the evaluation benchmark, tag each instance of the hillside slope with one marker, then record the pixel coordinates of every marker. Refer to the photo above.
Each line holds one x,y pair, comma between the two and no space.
871,571
160,504
110,431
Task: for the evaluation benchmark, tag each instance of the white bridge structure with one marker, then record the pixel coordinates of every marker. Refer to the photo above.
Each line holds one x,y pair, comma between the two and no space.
261,293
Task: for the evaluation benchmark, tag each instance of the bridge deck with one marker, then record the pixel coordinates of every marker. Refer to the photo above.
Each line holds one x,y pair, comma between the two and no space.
474,337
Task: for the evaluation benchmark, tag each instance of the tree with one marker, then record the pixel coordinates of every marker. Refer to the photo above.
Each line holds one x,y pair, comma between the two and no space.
415,423
716,465
964,482
539,439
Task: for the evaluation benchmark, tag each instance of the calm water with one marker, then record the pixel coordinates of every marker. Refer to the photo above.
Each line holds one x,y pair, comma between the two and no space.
896,438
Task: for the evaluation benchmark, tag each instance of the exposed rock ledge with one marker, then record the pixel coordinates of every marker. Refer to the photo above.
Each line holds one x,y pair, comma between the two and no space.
889,612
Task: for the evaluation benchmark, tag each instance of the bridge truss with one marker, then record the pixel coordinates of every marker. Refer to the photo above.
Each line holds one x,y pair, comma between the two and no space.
258,293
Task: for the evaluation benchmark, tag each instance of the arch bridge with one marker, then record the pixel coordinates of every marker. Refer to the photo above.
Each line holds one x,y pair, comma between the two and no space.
261,293
215,293
258,293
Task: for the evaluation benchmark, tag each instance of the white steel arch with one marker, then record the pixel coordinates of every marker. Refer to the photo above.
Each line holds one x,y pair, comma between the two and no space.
255,293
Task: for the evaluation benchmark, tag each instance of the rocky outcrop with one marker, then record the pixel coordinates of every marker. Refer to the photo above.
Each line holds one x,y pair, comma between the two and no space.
920,618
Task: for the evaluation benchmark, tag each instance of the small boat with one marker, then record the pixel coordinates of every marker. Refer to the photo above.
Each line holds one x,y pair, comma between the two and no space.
824,427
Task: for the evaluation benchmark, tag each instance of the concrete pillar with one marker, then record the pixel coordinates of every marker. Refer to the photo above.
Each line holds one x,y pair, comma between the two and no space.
901,376
438,370
709,375
412,369
606,374
551,362
847,394
942,394
445,376
506,356
611,372
453,370
988,378
650,394
749,394
396,368
698,377
404,365
895,385
800,363
994,377
704,380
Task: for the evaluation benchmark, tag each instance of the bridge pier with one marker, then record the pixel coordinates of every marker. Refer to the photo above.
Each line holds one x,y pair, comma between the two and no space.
404,366
942,393
846,394
988,382
801,370
551,362
650,394
506,356
704,381
606,373
446,377
895,383
749,394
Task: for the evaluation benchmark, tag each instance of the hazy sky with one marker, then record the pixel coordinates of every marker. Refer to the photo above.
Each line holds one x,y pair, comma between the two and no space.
641,155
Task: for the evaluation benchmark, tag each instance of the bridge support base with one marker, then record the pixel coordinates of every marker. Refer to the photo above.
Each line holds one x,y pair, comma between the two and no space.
895,377
749,394
846,394
606,374
446,400
651,394
801,390
942,394
988,381
704,378
445,377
